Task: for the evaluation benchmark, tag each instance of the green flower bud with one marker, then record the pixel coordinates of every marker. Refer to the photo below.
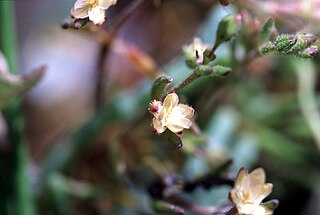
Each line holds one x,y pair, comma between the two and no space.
293,43
159,86
308,52
284,43
228,27
213,70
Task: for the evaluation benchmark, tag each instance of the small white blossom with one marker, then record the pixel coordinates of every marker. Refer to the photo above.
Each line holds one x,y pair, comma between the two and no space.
249,191
170,114
94,9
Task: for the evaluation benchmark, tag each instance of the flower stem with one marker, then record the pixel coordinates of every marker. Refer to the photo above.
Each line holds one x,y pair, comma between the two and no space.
107,39
186,82
15,196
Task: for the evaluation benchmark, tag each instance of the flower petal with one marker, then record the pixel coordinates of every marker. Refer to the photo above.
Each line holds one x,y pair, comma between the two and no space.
80,13
175,128
179,121
97,15
264,192
252,209
80,4
184,110
241,177
170,101
158,126
106,3
254,185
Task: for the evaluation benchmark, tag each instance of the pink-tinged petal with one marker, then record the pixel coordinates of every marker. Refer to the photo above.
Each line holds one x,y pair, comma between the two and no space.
170,101
241,178
235,196
158,126
97,15
80,4
80,13
106,3
254,184
161,114
179,121
175,128
184,110
264,192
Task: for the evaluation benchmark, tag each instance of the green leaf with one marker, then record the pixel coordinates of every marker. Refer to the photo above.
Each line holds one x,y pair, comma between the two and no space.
12,85
280,145
265,32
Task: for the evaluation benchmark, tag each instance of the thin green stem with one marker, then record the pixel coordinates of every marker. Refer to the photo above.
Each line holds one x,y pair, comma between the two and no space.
17,194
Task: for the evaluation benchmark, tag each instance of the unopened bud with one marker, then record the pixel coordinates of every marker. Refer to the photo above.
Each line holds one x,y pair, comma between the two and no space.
159,86
309,52
213,70
228,27
295,43
284,43
154,106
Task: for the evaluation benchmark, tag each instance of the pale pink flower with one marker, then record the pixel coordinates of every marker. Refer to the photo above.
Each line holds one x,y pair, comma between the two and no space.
94,9
170,114
249,191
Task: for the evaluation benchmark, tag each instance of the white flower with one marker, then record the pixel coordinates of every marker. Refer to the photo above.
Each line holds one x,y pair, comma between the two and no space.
94,9
170,114
249,191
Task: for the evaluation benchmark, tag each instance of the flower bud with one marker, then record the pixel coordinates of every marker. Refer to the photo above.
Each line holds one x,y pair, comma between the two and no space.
159,86
309,52
294,43
228,27
154,106
213,70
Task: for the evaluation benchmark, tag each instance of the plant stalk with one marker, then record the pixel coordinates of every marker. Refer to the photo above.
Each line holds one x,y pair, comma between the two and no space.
16,192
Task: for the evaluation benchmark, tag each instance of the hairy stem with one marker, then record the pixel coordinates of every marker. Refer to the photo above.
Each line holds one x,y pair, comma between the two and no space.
186,82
